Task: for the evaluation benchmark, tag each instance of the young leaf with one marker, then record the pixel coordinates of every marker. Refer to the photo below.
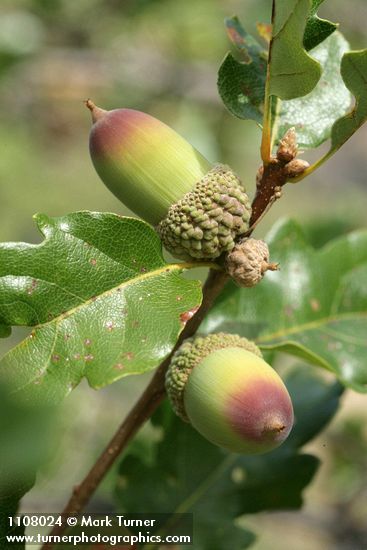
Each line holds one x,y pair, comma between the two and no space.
102,299
354,73
292,72
189,474
241,84
317,30
304,308
314,114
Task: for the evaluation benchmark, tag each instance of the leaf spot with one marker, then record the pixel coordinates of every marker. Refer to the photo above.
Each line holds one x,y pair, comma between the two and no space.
87,342
119,366
315,304
241,98
93,261
238,475
110,326
32,288
288,311
55,358
187,315
88,357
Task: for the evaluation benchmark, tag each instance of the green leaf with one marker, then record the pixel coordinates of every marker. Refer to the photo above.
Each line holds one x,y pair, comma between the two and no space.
25,432
314,114
354,73
317,30
103,301
189,474
315,401
5,331
293,73
305,309
8,507
353,291
241,84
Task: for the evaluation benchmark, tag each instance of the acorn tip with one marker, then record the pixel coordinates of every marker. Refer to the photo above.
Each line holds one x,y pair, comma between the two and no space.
96,112
274,427
89,103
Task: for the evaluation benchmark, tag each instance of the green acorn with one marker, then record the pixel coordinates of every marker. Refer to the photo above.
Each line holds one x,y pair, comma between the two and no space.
199,209
224,388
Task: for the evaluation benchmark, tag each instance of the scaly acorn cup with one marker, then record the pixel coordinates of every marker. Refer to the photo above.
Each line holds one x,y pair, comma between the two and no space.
223,387
199,209
248,262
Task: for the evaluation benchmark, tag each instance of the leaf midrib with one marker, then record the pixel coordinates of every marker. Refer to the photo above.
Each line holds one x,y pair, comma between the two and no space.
167,268
310,326
286,22
205,485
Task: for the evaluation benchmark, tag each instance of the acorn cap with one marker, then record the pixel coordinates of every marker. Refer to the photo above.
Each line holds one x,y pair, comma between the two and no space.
207,221
229,394
146,164
248,262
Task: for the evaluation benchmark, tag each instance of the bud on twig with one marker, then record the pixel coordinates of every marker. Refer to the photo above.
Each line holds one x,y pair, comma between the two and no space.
287,149
296,167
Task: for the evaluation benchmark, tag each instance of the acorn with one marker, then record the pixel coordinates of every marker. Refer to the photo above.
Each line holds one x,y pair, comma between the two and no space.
222,386
199,210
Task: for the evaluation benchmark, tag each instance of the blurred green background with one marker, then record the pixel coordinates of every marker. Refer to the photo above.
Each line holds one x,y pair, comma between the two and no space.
162,56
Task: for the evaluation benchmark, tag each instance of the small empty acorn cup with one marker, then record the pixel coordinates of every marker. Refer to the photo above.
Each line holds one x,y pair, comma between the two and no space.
230,395
248,262
199,209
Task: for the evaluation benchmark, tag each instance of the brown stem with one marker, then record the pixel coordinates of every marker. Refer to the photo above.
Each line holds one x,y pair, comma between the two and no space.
141,411
275,173
271,179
